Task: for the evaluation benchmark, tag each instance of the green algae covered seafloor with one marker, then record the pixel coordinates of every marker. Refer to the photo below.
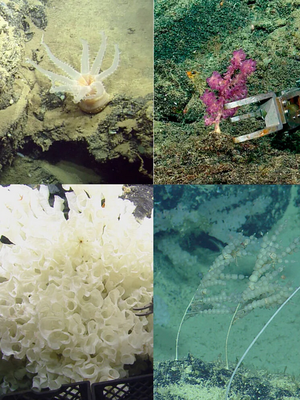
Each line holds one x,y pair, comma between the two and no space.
60,142
196,37
193,379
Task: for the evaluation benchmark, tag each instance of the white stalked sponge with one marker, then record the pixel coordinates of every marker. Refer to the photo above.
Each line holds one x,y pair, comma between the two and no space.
68,285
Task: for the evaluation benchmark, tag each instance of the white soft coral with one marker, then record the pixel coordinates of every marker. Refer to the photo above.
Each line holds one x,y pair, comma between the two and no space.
85,86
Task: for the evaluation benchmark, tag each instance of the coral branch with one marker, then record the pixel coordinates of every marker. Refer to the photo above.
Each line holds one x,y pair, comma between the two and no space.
230,87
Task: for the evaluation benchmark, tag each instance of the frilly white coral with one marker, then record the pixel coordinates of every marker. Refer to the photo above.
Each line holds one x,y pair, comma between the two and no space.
68,286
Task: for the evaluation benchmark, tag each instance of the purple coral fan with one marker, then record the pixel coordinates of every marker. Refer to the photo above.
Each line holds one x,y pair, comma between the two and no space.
230,87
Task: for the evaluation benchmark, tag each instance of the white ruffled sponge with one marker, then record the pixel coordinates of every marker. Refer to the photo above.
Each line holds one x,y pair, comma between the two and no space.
68,286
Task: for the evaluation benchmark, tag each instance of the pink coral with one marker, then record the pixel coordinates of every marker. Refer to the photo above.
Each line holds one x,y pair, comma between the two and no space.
230,87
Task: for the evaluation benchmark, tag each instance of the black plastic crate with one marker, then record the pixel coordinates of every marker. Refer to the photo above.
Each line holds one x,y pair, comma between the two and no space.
72,391
134,388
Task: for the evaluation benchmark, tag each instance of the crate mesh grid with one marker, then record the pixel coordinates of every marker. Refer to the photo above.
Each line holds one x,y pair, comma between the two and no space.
74,391
135,388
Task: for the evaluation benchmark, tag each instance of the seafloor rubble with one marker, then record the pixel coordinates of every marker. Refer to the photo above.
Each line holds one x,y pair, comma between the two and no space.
192,378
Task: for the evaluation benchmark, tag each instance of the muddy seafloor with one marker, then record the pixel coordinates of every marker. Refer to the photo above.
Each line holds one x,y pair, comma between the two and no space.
46,138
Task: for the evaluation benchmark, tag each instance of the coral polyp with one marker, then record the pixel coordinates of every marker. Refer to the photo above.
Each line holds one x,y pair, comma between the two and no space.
85,86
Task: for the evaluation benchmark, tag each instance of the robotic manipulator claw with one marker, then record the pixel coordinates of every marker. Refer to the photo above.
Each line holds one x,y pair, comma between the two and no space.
276,111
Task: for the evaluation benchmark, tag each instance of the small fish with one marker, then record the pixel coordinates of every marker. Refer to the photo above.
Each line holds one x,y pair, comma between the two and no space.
191,74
